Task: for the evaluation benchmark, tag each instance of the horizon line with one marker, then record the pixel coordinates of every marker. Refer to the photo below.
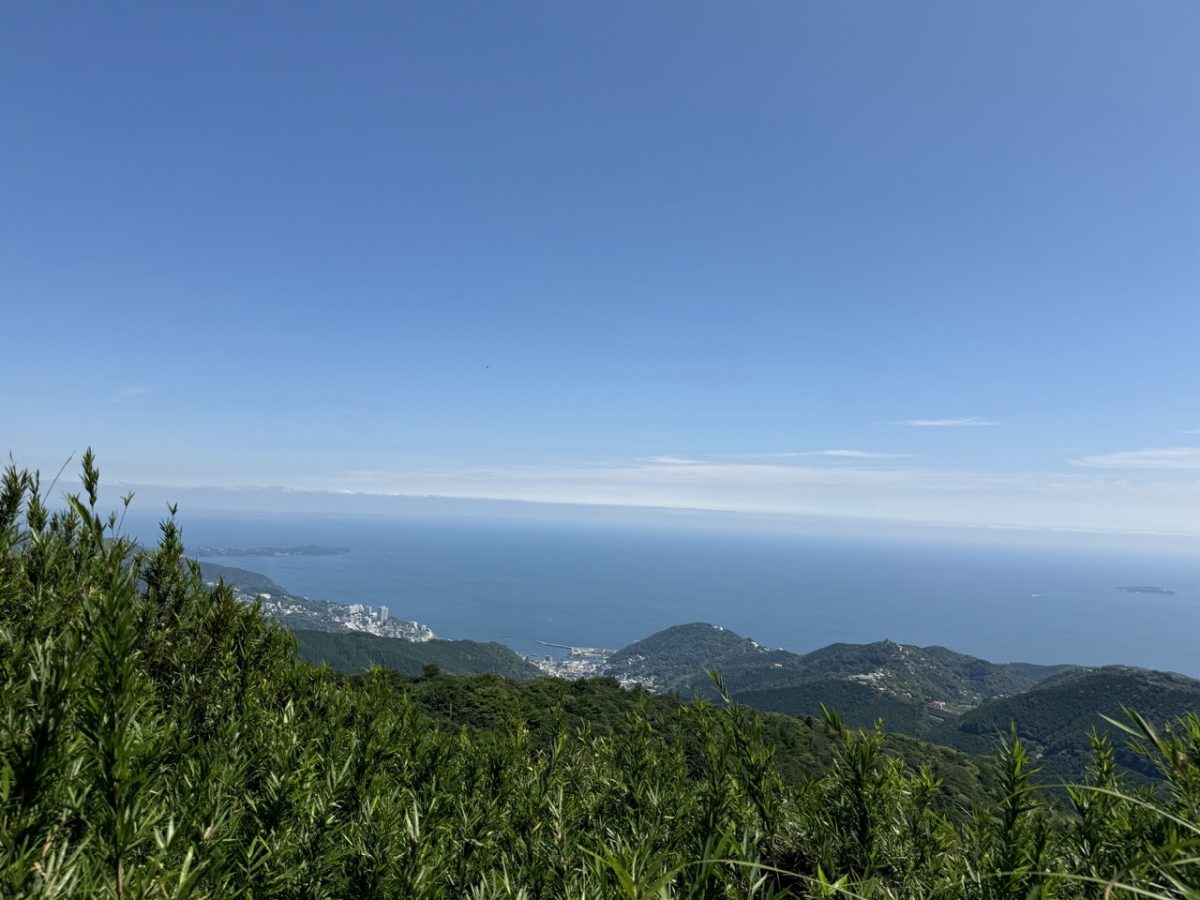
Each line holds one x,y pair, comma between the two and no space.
694,509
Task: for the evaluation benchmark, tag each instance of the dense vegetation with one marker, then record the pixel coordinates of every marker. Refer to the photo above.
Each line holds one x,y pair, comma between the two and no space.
679,658
1054,719
351,652
927,692
160,739
860,705
802,746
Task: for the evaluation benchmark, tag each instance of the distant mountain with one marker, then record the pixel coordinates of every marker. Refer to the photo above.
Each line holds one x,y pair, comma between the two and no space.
933,693
893,676
353,653
1055,718
672,658
924,674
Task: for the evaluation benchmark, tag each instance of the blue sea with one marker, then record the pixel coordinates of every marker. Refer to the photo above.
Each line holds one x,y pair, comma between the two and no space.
521,582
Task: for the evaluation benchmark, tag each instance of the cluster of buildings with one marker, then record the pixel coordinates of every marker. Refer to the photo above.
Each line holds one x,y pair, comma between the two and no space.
380,622
321,615
571,667
584,662
357,609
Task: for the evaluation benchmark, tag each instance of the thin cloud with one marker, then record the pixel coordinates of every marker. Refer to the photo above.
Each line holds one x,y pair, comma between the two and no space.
837,454
1158,458
895,493
125,395
968,422
673,461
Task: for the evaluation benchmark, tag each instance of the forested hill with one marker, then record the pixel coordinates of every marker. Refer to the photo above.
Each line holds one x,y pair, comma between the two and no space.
1056,717
927,673
678,659
350,652
668,658
927,692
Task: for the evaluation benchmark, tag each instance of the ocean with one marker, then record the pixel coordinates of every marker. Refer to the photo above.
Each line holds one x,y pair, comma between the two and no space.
604,585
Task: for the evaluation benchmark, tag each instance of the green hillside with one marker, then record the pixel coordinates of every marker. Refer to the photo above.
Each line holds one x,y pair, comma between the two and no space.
922,674
860,705
677,654
931,693
1055,718
802,747
350,652
679,659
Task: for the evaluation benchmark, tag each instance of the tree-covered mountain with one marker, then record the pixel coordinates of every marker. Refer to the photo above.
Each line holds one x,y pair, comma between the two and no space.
352,652
859,705
670,659
930,693
802,746
679,658
925,674
1055,718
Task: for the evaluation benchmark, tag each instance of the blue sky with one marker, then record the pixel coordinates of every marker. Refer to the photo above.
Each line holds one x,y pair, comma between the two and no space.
929,262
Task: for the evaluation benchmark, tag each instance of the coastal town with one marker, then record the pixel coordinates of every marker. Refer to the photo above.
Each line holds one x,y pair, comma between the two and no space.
585,662
321,615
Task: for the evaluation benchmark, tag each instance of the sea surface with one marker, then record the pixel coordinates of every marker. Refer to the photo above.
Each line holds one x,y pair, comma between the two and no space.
521,582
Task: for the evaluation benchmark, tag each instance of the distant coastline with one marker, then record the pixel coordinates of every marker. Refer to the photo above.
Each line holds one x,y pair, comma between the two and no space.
305,550
521,582
1144,589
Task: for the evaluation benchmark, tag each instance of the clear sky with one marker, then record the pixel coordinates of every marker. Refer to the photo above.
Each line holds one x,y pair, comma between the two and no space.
921,261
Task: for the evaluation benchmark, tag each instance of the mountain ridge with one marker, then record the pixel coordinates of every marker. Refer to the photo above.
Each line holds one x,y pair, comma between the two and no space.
677,658
931,693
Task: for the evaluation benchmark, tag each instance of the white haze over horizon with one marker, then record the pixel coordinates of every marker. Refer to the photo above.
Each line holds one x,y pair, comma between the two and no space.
736,493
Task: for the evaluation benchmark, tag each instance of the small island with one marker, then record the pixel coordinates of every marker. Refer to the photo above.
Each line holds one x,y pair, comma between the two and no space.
305,550
1143,589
